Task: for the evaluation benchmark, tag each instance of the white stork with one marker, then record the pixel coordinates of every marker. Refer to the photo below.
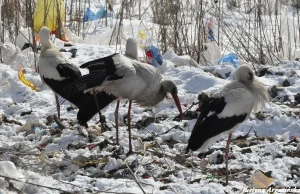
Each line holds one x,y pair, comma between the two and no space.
225,110
127,78
57,72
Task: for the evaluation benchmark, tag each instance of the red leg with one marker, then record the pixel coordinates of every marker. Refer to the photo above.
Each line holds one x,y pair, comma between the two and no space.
129,126
226,156
117,121
57,106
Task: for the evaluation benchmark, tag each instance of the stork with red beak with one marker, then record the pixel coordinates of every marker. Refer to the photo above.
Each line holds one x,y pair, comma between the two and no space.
127,78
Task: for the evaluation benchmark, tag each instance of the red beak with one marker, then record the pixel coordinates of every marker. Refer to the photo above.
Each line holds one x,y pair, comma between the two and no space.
177,102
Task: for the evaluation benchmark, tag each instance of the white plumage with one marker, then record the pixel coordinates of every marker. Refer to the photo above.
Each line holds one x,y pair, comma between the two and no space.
48,61
140,82
49,58
239,101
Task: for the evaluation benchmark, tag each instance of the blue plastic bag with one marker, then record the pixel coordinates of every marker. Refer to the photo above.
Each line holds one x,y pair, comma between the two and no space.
155,54
101,13
229,58
90,16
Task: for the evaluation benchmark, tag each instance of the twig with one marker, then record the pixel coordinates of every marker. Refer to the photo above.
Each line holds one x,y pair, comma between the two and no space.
111,188
191,106
135,179
114,192
141,162
74,185
47,187
185,159
163,151
175,127
244,136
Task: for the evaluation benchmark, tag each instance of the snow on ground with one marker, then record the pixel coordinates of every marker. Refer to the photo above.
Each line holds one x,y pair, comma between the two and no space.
81,160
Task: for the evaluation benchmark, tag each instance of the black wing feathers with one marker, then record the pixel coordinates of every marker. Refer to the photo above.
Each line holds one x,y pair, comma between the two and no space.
90,80
100,70
212,105
208,126
105,63
68,70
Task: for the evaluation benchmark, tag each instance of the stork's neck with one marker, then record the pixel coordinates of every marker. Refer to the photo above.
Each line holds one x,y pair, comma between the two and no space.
131,53
151,97
160,95
131,48
46,44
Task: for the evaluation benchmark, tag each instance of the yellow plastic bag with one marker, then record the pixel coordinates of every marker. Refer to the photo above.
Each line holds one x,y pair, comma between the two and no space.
25,81
46,14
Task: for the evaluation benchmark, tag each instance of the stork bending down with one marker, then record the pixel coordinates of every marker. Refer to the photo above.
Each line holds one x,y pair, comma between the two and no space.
225,110
57,72
125,78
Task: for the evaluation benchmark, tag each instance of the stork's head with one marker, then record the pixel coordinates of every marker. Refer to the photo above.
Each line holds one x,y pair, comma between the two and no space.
169,87
260,95
45,34
244,74
132,48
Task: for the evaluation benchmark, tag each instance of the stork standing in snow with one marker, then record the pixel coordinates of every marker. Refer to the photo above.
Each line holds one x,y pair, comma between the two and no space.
57,72
225,110
127,78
